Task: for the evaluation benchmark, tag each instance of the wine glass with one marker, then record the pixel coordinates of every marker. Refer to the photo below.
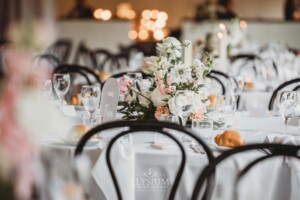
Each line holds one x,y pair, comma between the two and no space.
236,86
61,84
90,97
184,101
287,103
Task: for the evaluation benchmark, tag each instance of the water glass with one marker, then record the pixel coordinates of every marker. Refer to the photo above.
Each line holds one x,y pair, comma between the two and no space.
169,118
96,120
204,127
287,103
90,96
61,83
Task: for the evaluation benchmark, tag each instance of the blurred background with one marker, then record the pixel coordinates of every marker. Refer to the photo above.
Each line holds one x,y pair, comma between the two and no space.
115,35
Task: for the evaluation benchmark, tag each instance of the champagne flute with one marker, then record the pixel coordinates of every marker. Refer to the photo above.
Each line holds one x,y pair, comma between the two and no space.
287,104
61,86
236,86
90,96
184,101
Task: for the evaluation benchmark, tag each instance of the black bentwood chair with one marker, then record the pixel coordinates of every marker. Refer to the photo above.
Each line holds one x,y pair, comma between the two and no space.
251,60
121,74
80,70
271,151
280,87
61,49
84,56
52,59
219,77
138,127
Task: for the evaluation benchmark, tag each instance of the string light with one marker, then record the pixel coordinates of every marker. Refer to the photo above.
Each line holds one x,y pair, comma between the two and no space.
132,34
97,13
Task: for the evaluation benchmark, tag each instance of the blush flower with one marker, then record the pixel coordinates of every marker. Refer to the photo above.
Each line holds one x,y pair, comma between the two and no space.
125,83
161,110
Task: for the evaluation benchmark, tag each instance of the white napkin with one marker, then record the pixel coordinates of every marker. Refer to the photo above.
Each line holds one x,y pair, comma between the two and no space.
123,162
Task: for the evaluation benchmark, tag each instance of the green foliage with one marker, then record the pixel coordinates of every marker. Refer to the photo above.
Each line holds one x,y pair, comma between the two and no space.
209,64
137,111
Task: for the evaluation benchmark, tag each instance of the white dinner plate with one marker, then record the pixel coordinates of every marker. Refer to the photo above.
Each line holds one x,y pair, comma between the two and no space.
91,142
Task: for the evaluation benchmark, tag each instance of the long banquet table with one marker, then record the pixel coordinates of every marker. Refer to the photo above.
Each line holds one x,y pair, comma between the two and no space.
147,173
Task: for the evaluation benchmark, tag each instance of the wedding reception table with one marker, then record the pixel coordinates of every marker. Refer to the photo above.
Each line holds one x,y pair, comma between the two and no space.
147,173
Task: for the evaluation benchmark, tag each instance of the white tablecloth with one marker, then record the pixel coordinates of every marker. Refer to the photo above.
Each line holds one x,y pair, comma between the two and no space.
155,169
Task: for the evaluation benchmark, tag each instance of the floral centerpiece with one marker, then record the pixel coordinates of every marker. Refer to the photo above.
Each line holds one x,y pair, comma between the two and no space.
172,70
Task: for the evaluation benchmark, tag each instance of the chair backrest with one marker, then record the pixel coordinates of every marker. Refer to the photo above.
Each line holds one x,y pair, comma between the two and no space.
121,74
77,69
102,57
139,127
219,77
84,56
272,150
61,49
252,60
218,81
51,59
280,87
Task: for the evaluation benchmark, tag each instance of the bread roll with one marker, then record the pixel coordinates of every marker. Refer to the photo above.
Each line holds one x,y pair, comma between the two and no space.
77,132
212,101
76,100
73,101
249,85
215,100
230,138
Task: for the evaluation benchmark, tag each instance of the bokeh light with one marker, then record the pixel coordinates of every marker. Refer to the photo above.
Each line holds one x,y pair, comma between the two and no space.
106,15
132,34
97,13
143,35
146,14
158,34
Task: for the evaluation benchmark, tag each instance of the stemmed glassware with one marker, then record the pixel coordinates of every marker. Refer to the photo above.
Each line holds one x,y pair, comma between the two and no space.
184,101
61,84
90,96
236,86
287,103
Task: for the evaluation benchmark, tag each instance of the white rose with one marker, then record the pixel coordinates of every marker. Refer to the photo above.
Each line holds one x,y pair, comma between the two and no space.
151,63
158,98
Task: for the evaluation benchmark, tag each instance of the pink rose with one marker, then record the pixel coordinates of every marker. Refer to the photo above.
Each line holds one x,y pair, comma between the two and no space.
125,83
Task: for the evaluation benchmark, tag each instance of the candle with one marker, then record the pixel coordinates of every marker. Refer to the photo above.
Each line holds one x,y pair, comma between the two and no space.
188,53
223,48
